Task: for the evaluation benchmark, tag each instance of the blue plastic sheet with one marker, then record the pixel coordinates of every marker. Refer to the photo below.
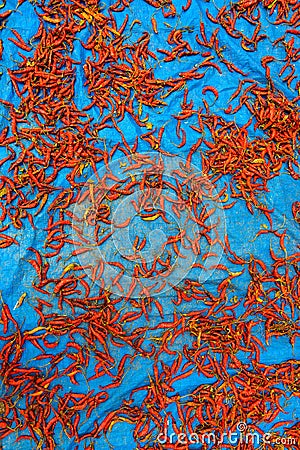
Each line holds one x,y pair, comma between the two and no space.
18,276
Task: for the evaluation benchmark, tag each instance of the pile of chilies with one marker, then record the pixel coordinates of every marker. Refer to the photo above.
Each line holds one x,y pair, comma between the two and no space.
53,146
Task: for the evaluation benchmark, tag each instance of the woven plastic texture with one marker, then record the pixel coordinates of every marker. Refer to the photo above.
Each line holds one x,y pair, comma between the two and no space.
150,213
